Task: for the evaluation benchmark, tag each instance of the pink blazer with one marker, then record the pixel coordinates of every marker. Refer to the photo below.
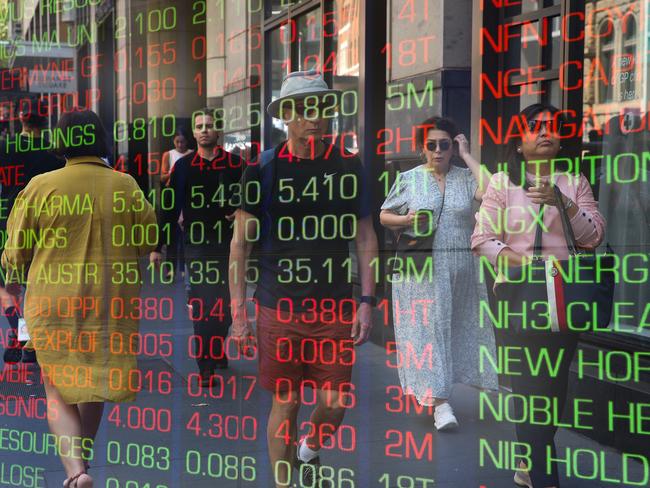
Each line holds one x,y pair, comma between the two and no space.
508,219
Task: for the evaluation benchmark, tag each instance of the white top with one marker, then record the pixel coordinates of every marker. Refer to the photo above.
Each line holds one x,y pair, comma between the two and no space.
174,156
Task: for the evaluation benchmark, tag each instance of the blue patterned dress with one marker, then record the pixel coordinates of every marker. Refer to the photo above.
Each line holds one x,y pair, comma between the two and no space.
437,325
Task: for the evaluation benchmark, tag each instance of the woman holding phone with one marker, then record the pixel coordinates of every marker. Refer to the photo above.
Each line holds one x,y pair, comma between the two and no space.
517,195
436,310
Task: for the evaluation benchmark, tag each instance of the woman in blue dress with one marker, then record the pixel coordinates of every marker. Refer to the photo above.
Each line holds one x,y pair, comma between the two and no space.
442,326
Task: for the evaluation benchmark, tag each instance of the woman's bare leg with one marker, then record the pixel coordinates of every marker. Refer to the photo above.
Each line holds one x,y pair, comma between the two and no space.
65,422
91,416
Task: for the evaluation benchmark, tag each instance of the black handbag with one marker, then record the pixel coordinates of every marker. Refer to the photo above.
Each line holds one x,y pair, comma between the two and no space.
414,251
549,295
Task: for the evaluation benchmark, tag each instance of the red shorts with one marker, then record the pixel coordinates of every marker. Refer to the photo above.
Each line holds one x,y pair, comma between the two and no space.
291,352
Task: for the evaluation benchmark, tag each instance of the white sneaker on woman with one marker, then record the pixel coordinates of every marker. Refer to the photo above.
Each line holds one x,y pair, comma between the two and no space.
522,478
444,418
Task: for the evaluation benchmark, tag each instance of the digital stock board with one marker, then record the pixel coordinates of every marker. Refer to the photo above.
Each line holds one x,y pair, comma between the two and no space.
324,243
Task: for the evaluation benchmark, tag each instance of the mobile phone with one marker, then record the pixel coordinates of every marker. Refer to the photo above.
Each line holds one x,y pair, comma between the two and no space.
23,335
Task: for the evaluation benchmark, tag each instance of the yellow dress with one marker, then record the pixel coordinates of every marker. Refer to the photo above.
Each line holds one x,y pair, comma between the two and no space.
75,236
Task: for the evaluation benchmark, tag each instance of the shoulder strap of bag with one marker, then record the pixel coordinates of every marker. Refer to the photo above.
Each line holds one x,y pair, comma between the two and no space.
537,247
569,235
442,205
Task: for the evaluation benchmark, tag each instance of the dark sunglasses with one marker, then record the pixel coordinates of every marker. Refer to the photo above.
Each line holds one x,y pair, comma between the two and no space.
311,113
552,127
443,144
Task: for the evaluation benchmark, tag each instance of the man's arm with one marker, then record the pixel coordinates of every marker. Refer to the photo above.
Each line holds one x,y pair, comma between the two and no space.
366,244
177,182
240,251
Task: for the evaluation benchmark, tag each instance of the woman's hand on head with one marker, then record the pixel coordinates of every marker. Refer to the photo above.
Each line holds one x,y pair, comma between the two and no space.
463,145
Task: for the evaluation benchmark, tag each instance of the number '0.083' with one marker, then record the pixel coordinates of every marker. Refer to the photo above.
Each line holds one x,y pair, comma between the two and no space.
138,455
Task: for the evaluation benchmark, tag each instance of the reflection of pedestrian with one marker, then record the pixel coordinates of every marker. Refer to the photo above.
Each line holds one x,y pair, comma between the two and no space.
169,158
206,190
310,207
446,302
181,148
24,160
90,360
507,205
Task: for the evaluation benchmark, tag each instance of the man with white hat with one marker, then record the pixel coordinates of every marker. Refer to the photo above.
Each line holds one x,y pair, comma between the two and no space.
312,205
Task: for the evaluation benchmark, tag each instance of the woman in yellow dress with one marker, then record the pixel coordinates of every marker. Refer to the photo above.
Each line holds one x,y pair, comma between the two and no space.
77,233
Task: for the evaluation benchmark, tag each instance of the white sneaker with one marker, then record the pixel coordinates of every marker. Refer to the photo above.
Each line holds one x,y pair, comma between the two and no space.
522,476
523,479
444,417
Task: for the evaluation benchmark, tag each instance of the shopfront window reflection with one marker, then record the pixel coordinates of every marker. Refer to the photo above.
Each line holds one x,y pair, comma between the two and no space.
309,27
628,59
275,7
280,66
615,131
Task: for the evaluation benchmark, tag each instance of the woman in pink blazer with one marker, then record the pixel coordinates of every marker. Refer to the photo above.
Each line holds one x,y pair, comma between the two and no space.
505,234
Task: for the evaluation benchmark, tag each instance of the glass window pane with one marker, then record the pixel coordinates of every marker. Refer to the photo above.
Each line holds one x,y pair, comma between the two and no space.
530,43
530,94
275,7
629,27
238,143
527,6
606,31
604,87
613,106
626,71
553,52
309,27
343,25
525,44
553,93
280,40
412,47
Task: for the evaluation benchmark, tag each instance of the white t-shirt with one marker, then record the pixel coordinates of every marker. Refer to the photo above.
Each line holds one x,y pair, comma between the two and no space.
174,156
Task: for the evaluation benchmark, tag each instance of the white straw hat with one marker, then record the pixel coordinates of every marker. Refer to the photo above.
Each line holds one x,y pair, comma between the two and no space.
299,85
